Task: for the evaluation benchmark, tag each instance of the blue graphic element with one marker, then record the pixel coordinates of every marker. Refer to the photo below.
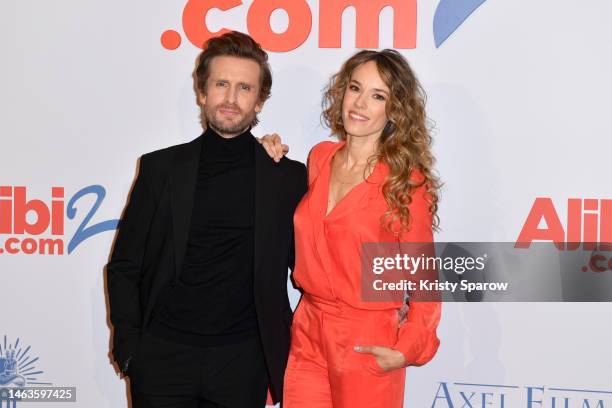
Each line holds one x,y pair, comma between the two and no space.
84,232
16,366
450,15
9,375
17,370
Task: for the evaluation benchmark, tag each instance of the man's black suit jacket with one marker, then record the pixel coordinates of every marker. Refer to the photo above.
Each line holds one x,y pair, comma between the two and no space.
152,241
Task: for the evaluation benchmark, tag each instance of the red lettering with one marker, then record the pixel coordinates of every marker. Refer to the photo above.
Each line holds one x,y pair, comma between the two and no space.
367,26
300,23
543,208
593,263
50,246
591,221
28,246
9,245
23,207
574,223
6,210
605,226
57,211
170,39
194,19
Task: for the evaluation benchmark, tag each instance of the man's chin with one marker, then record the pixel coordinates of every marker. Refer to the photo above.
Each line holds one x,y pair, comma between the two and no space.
229,128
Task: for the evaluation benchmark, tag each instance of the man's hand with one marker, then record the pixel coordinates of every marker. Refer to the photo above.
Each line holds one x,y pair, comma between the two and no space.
275,149
386,358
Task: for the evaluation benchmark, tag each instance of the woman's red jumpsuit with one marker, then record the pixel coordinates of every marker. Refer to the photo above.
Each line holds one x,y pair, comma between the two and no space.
323,370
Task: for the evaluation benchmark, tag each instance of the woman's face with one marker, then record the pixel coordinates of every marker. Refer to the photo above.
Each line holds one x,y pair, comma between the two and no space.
363,106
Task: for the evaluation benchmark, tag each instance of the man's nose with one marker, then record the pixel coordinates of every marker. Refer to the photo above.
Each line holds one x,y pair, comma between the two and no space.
231,95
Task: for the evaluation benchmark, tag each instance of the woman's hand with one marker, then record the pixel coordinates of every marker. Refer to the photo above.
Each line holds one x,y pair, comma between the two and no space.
386,358
274,147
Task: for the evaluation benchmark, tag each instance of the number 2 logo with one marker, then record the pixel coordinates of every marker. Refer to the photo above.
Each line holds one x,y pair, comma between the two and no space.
84,230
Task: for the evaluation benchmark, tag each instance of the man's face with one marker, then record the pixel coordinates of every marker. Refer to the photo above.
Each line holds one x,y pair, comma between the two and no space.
231,98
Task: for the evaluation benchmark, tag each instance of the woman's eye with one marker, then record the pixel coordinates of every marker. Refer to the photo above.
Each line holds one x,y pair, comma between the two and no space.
354,88
379,97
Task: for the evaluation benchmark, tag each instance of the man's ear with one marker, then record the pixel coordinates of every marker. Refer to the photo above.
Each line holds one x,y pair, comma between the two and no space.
202,97
258,106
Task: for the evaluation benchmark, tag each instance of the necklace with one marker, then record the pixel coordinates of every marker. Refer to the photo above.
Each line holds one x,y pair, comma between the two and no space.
363,168
339,179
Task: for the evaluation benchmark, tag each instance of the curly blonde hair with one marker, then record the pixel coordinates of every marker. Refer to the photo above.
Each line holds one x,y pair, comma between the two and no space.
405,143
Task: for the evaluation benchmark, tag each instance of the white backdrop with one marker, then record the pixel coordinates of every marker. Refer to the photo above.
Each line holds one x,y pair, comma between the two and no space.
520,97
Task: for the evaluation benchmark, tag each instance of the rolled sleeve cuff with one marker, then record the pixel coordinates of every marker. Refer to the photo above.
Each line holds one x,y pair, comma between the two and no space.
417,343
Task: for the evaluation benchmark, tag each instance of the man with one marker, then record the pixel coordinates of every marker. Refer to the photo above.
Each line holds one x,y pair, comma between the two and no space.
197,279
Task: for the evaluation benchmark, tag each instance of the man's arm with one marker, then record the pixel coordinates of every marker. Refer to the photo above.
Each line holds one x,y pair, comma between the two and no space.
124,271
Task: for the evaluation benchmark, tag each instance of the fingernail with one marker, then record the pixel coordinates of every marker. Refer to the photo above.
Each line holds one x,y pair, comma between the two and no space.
357,348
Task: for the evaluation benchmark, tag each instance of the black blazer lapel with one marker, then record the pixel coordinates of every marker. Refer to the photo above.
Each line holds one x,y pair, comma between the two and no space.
266,198
184,170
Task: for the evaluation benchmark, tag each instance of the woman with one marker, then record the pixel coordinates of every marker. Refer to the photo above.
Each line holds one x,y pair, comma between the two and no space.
374,185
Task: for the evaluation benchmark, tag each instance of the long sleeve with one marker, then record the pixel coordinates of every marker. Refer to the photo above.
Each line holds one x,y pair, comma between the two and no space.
124,271
417,338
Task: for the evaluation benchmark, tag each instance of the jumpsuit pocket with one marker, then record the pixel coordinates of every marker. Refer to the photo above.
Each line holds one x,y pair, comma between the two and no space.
385,337
373,367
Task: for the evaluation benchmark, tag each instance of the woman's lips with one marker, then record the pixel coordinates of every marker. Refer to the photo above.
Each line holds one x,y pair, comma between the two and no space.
356,116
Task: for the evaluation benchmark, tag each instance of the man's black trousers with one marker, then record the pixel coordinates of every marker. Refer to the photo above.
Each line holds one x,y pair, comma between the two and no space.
165,374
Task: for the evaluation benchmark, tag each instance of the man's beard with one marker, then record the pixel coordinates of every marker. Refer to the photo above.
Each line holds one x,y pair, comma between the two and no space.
219,127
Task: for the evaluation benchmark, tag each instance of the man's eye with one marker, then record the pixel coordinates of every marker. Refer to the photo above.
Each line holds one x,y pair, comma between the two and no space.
246,87
220,83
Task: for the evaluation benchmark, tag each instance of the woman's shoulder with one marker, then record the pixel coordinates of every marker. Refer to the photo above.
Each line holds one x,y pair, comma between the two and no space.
321,148
317,156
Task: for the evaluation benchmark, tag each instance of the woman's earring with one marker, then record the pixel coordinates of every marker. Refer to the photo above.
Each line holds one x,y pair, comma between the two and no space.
389,129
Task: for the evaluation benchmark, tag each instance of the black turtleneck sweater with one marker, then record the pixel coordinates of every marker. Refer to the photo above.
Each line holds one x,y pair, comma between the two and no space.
211,303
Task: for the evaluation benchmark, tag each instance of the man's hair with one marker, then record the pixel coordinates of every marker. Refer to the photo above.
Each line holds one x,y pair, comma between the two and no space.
234,44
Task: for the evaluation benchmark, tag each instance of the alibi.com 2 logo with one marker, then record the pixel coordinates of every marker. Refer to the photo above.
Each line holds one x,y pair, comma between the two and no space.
449,16
35,227
588,226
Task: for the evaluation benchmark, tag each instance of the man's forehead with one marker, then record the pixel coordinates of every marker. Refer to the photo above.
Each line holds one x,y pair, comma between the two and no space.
236,68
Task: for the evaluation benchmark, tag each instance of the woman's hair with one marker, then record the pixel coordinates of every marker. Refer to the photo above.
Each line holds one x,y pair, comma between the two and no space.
405,143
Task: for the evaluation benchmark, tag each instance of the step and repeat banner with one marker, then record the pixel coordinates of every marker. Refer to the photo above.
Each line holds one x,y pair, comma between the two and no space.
519,92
